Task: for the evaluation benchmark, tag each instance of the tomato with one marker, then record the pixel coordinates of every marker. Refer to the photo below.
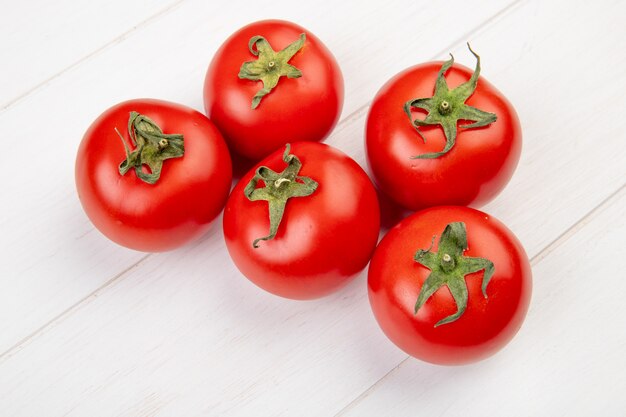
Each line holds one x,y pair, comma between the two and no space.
184,181
305,83
486,275
454,163
325,233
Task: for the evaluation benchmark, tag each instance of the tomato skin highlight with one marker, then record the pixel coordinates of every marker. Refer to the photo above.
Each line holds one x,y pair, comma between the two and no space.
180,207
472,173
395,280
324,239
297,109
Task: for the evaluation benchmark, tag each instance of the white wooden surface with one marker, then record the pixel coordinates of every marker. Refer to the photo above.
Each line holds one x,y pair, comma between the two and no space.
88,328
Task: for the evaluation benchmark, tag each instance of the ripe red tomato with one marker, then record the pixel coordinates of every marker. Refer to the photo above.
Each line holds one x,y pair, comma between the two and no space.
327,233
441,332
306,86
188,192
480,161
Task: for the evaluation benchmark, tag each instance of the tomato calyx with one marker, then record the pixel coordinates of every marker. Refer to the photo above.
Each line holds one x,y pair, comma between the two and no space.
270,65
448,267
447,107
279,187
152,147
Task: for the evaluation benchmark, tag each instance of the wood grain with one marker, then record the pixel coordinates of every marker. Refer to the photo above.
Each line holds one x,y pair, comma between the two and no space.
41,40
89,328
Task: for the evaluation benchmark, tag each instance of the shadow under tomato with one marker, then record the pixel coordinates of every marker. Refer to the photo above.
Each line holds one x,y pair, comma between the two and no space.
390,212
241,165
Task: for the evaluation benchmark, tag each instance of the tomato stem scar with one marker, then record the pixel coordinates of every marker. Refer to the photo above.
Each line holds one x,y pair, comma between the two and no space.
270,65
152,147
277,196
444,107
280,181
448,267
450,108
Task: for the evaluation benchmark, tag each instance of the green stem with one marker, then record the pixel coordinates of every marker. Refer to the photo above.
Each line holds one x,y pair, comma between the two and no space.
448,267
446,107
270,65
152,147
278,189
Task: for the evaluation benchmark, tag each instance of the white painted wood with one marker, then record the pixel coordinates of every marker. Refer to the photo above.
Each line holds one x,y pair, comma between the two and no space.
567,360
39,39
167,58
199,340
184,334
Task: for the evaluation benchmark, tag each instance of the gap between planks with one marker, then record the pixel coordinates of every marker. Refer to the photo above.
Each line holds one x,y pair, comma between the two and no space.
17,347
346,121
96,52
558,241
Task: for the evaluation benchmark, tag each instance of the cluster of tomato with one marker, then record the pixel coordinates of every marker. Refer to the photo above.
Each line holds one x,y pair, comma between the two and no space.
306,219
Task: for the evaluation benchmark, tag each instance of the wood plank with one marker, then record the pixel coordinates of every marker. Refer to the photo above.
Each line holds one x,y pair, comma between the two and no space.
199,339
40,39
567,358
173,336
66,258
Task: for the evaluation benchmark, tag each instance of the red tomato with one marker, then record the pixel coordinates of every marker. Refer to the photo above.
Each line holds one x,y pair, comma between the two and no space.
190,192
303,108
472,172
396,280
325,237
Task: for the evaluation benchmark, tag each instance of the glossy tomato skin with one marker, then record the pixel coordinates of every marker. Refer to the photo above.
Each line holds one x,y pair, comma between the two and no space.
297,109
395,280
190,193
323,240
472,173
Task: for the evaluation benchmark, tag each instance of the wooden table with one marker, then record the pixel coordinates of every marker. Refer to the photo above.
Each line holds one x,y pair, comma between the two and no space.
88,328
